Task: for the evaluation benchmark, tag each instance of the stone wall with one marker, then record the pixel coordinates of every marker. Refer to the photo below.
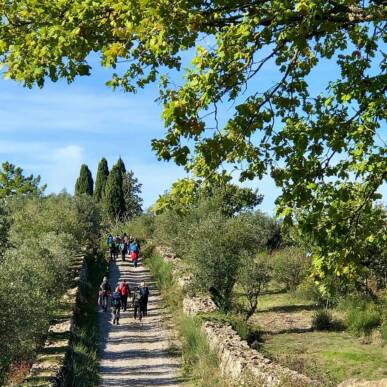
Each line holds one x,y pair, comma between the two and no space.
240,364
49,368
246,366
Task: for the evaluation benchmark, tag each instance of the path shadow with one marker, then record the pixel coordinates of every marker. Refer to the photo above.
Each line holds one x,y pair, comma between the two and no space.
289,308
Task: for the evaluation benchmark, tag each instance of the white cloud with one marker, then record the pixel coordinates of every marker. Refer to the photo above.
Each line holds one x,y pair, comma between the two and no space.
64,167
58,165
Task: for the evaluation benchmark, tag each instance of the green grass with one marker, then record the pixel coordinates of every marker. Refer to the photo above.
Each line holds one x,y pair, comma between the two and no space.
84,362
383,331
328,356
200,365
277,301
361,316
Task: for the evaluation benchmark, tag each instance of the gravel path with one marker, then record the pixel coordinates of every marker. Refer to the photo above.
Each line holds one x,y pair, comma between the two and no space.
137,353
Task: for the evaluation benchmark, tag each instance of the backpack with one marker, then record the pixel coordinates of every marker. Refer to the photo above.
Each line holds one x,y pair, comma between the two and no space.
137,298
134,247
116,299
110,240
144,292
124,290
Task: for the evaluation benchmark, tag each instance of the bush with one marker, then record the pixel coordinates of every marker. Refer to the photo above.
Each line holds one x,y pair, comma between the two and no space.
363,321
290,266
308,290
84,362
142,227
171,230
362,315
322,320
215,254
45,234
253,276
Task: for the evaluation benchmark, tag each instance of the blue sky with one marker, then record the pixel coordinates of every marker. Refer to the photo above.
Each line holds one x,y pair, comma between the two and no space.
52,131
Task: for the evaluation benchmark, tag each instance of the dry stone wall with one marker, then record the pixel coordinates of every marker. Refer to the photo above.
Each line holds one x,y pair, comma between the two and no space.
49,368
247,366
239,363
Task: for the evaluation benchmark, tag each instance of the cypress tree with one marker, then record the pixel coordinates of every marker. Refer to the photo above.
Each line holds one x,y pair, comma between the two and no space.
114,198
100,181
121,166
84,183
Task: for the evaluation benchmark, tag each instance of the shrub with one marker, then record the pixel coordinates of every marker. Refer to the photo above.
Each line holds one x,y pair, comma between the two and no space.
215,254
290,267
363,321
142,227
83,364
322,320
308,290
44,236
362,315
171,229
254,275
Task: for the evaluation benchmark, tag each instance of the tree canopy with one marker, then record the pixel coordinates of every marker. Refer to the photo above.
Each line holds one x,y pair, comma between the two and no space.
113,200
322,147
131,188
100,181
121,166
12,182
84,183
186,193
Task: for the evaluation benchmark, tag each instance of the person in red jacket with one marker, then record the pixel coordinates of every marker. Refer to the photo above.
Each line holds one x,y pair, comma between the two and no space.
124,291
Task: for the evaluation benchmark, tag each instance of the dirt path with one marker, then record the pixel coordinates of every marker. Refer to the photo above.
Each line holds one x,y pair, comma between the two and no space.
136,353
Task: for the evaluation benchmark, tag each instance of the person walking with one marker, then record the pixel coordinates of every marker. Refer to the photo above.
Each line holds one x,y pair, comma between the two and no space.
136,302
105,291
144,292
125,293
109,239
111,245
126,238
134,252
123,250
116,303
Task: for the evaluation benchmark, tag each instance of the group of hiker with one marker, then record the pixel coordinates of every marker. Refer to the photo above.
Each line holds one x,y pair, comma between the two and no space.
119,297
124,245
